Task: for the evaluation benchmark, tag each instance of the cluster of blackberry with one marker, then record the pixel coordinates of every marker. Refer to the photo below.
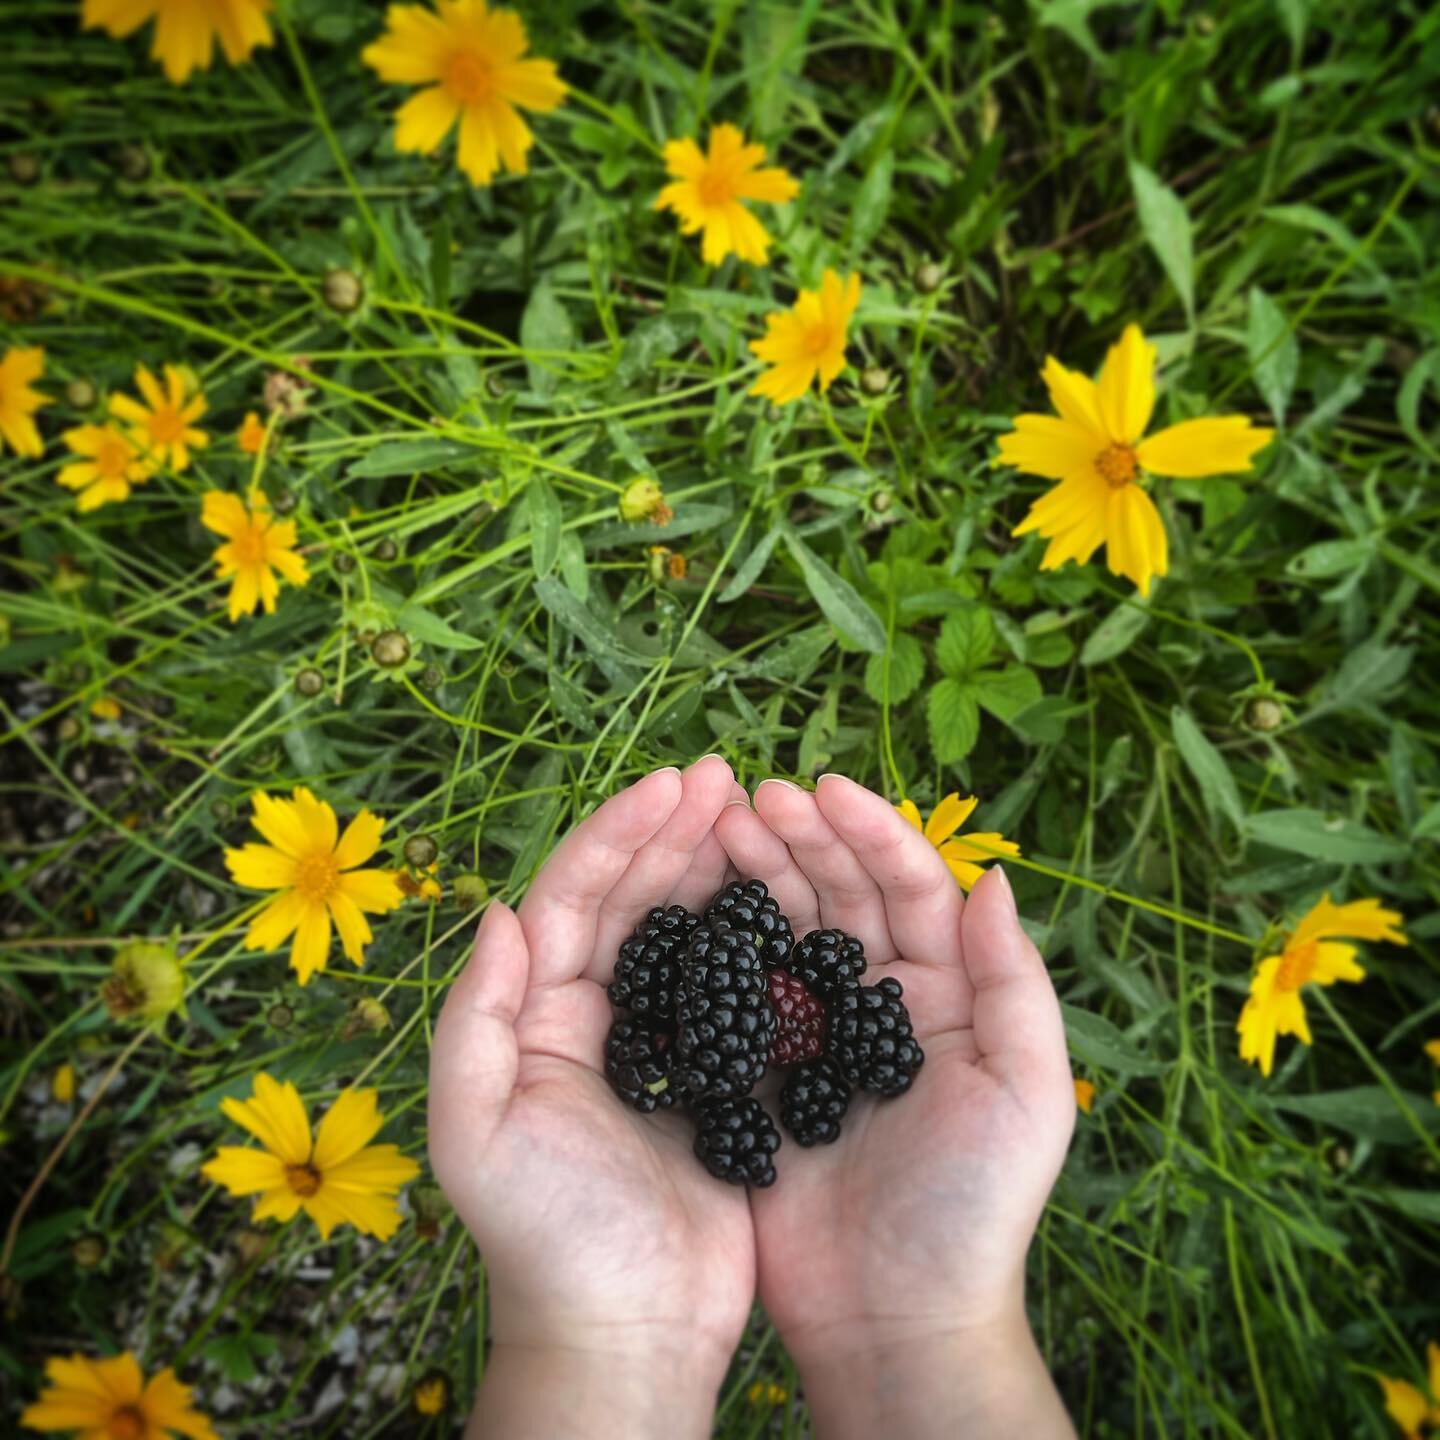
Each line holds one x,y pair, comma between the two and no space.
707,1003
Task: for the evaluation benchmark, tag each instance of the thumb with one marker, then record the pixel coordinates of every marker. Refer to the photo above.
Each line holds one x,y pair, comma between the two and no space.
1018,1029
475,1059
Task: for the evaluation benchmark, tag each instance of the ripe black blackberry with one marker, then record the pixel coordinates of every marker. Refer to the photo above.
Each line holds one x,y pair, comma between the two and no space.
648,969
724,1022
813,1102
871,1039
801,1018
736,1141
638,1053
826,961
750,907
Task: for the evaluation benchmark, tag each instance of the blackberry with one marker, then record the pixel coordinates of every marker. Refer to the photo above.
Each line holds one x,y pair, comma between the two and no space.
725,1025
749,907
637,1063
802,1020
871,1039
648,969
813,1102
736,1141
826,961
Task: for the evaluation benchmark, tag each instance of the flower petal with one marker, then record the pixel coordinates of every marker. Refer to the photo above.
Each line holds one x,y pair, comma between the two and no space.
245,1170
424,120
350,1124
1127,386
948,816
1050,447
355,933
1135,546
1192,449
360,840
1076,399
275,1116
312,943
261,867
277,921
377,891
280,822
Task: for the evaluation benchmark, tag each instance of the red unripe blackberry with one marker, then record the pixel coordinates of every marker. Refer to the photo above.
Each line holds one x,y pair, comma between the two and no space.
871,1039
826,961
637,1063
813,1102
749,907
802,1020
724,1024
736,1141
648,969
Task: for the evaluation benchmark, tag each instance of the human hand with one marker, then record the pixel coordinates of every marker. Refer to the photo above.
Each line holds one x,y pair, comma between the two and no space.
892,1262
620,1274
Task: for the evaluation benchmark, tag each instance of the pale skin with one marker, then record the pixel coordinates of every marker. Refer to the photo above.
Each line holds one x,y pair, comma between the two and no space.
891,1263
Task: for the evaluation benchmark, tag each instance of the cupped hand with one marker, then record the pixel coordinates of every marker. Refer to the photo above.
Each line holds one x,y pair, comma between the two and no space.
601,1233
916,1221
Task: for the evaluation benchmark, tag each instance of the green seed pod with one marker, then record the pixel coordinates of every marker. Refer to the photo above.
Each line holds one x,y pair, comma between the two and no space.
929,278
24,169
88,1251
874,380
432,677
343,290
421,850
390,649
309,681
470,891
279,1017
133,163
147,982
881,500
342,562
495,386
283,501
640,499
1264,715
386,551
68,730
81,394
222,810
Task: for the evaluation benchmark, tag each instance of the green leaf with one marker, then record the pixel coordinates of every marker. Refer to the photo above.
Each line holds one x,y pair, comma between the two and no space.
1217,785
872,204
1005,693
1102,1045
1323,837
545,326
410,457
1330,558
582,622
750,568
1115,634
1166,225
571,703
1274,352
966,642
545,518
1047,719
572,563
904,661
430,629
838,599
1364,1110
795,656
954,720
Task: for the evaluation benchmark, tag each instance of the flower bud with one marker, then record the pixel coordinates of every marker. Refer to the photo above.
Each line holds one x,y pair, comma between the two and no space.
874,379
420,851
280,1016
881,500
929,278
343,290
67,730
386,551
432,677
81,394
133,163
365,1014
88,1251
309,682
222,810
470,891
147,982
62,1084
24,168
390,649
658,563
643,499
283,501
1264,715
342,562
495,386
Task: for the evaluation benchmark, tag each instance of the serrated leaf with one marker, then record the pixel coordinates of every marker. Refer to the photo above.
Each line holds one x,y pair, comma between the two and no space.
840,602
966,641
896,672
954,720
1005,693
1323,837
1217,785
545,519
1274,352
1166,225
1115,634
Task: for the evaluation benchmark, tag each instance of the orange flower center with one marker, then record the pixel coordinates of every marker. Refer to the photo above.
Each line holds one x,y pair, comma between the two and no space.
818,339
249,545
1117,465
112,460
166,425
1296,966
127,1423
469,78
317,877
304,1179
716,187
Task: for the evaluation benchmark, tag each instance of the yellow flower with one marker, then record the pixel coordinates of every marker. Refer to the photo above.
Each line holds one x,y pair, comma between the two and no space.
1310,956
111,463
186,30
111,1400
962,854
256,546
317,879
106,707
251,436
62,1084
807,340
165,424
336,1178
19,401
1432,1049
1095,450
431,1395
1085,1095
470,59
707,191
766,1392
1407,1405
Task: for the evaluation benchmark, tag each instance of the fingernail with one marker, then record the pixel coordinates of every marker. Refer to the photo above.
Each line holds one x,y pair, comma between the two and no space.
1008,893
776,780
673,769
729,803
713,755
830,775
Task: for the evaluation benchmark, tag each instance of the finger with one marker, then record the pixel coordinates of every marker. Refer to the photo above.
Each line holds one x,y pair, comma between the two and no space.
849,899
475,1058
1018,1030
922,901
561,910
710,870
755,849
661,863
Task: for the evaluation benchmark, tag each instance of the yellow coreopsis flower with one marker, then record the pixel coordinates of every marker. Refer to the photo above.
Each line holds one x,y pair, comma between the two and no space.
1408,1406
257,545
963,854
708,190
186,30
1094,448
19,401
317,876
431,1395
336,1177
1085,1095
164,425
1311,956
470,59
111,462
62,1083
807,341
251,435
111,1400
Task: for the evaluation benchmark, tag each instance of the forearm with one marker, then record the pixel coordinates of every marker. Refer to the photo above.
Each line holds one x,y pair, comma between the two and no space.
531,1393
965,1385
